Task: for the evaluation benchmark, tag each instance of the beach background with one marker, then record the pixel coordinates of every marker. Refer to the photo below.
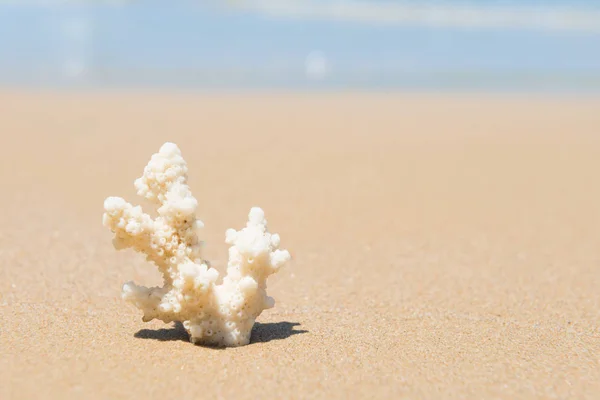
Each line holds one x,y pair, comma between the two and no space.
432,168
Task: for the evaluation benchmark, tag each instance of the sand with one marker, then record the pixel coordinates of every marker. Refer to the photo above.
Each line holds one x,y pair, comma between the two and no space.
445,246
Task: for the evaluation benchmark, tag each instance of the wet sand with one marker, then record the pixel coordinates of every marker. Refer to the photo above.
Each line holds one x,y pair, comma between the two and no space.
445,246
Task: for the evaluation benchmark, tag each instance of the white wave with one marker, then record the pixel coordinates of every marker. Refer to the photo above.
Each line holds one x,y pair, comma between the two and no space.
549,17
553,17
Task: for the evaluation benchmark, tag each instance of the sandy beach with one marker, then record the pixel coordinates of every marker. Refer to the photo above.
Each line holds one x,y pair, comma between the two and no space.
444,246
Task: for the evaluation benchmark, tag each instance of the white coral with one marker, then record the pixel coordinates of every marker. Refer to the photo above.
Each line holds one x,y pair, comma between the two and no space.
215,314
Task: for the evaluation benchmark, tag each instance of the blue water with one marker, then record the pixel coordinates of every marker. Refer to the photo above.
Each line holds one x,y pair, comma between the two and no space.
206,45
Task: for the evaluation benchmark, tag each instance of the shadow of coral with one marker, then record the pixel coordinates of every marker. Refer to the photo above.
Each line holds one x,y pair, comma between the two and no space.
261,333
177,332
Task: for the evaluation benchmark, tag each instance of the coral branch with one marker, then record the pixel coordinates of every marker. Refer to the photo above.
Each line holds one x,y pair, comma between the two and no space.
217,314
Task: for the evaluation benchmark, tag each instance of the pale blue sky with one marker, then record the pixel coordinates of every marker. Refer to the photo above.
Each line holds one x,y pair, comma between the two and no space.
113,41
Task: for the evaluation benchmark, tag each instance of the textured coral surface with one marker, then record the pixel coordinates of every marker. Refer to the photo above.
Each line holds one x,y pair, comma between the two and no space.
216,314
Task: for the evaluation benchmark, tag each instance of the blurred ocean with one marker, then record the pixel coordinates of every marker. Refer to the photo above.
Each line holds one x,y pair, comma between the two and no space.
551,45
